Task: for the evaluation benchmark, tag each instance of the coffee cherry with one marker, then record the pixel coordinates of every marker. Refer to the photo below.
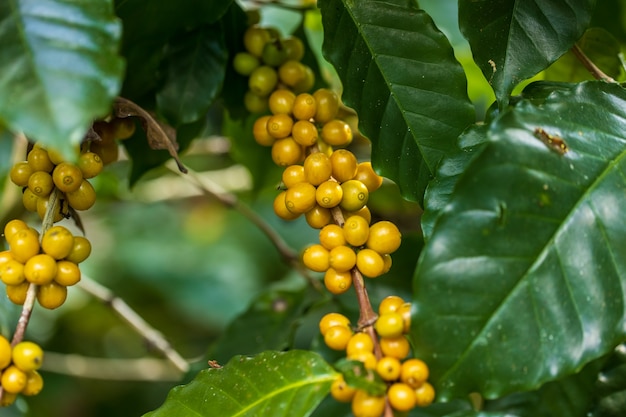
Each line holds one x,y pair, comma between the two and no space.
304,132
5,256
24,244
367,358
39,160
405,312
337,133
342,258
7,399
90,164
384,237
81,249
366,405
396,347
291,73
341,391
260,132
317,168
356,230
370,263
29,200
12,272
401,397
17,293
12,227
390,304
13,380
40,184
34,384
67,177
359,342
244,63
389,325
40,269
337,337
329,194
365,173
263,80
316,258
20,173
424,395
414,372
57,242
363,212
51,295
388,368
106,148
5,352
304,107
83,198
42,208
255,103
331,236
337,282
344,165
281,101
286,152
300,198
307,82
27,356
279,125
274,53
355,195
68,273
293,175
332,319
318,217
294,48
254,40
327,105
280,209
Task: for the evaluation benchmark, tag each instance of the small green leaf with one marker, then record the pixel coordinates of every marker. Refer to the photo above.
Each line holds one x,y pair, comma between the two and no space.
358,376
400,75
514,40
522,281
270,384
196,64
59,67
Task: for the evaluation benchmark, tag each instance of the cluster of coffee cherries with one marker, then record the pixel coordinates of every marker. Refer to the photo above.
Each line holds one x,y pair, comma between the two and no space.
270,60
50,262
18,370
406,378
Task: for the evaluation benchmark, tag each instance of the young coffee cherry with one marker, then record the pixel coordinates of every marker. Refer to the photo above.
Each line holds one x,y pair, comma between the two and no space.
356,230
336,133
263,80
329,194
51,295
341,391
254,40
414,372
274,53
344,165
401,397
244,63
281,101
260,132
304,107
40,183
255,103
280,209
366,405
307,82
342,258
305,133
370,263
389,325
81,249
384,237
365,173
286,152
39,160
337,337
316,258
27,356
337,282
34,384
82,198
424,395
396,347
389,368
5,352
292,72
40,269
13,379
20,173
90,164
300,198
327,105
318,217
293,175
359,342
317,168
67,177
57,242
293,47
332,319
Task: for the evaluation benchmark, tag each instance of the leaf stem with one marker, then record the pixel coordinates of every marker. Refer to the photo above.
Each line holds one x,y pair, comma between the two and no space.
591,67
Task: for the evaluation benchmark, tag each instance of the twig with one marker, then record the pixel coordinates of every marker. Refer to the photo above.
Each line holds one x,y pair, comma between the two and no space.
211,189
140,369
151,336
591,67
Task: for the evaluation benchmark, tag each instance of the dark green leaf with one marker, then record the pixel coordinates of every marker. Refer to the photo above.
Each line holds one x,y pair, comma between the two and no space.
269,384
400,75
522,281
269,324
358,376
611,387
514,40
59,67
196,64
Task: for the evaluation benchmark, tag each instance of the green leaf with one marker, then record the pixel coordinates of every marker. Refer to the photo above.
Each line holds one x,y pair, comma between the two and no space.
523,279
59,67
358,376
270,322
270,384
514,40
196,64
611,387
399,73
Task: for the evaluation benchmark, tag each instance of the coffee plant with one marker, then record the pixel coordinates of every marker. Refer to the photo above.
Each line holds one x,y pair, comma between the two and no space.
298,208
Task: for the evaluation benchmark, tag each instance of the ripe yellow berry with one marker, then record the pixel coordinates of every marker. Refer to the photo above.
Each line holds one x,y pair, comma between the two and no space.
389,325
424,395
342,258
356,230
260,133
57,242
281,101
34,384
12,272
5,352
332,319
401,397
365,173
366,405
67,177
344,165
329,194
316,258
40,183
24,244
81,249
292,73
27,356
384,237
405,312
368,358
355,195
280,209
305,133
13,380
12,227
370,263
318,217
390,304
359,342
292,175
20,173
397,347
17,293
90,164
286,152
51,295
331,236
40,269
83,198
300,198
388,368
39,160
414,372
263,80
341,391
317,168
337,282
68,273
337,133
337,337
327,105
304,107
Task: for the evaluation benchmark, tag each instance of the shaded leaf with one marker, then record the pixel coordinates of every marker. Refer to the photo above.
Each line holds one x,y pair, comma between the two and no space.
514,40
399,73
270,384
195,72
159,135
542,232
611,387
59,67
269,323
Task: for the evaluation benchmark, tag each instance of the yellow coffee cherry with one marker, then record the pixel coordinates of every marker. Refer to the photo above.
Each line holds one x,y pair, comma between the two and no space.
367,358
304,107
34,384
355,195
260,132
356,230
5,352
39,160
336,133
401,397
414,372
384,237
307,82
318,217
279,125
366,405
305,133
280,209
68,273
293,175
29,200
329,194
342,258
332,319
331,236
24,244
13,380
27,356
81,249
286,152
51,295
425,395
396,347
344,165
365,173
389,325
292,72
341,391
360,341
263,80
57,242
337,282
327,105
317,168
390,304
405,312
12,227
316,258
20,173
337,337
90,164
82,198
12,272
300,198
387,262
40,269
281,101
363,212
17,293
67,177
388,368
40,183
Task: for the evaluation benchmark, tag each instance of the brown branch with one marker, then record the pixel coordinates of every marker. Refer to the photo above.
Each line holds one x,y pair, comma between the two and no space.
591,67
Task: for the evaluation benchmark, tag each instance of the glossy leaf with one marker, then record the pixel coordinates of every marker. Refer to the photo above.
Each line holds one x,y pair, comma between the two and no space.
525,269
196,64
514,40
399,73
271,384
59,67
